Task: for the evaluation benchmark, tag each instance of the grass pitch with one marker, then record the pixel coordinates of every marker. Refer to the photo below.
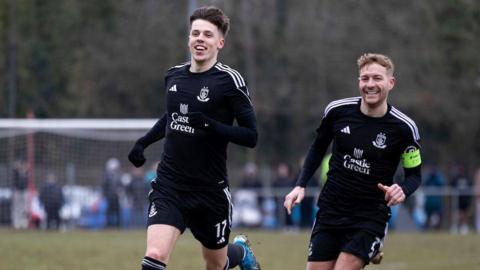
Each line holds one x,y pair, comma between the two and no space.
106,250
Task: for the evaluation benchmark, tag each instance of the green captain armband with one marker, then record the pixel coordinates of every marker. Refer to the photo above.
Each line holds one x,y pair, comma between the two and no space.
411,157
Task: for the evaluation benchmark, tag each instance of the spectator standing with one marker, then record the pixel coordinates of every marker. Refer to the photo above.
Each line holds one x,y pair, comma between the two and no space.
111,188
477,200
462,184
433,202
250,179
137,190
283,180
19,213
52,200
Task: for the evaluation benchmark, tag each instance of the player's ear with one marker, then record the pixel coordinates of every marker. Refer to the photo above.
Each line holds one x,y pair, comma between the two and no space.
391,82
221,43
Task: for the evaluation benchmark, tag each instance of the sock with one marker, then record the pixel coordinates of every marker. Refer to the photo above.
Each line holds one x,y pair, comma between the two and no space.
235,255
152,264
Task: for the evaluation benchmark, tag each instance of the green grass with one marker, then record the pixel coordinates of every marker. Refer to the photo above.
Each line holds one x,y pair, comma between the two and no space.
106,250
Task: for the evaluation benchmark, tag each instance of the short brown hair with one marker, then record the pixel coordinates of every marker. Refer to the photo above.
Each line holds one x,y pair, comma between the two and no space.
213,15
383,60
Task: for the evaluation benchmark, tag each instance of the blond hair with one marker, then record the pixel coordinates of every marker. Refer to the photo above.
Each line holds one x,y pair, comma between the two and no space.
370,58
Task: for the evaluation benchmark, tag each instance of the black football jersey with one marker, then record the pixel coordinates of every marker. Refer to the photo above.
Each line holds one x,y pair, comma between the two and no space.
365,151
195,158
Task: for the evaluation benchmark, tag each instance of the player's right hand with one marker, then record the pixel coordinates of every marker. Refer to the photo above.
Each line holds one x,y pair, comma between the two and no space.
136,156
294,197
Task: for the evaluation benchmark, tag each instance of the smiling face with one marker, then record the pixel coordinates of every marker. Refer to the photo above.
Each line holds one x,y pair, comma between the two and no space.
204,42
375,82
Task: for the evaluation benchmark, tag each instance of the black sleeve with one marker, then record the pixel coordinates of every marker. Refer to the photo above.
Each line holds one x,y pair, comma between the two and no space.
157,132
413,179
413,175
315,153
244,134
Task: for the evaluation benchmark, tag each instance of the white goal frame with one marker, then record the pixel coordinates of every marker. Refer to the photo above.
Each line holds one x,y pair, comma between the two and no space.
77,123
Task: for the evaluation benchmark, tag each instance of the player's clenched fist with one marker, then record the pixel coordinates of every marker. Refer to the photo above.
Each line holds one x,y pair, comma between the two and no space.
136,156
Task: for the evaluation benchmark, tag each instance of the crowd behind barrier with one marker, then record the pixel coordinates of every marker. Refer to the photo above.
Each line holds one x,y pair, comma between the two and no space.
120,200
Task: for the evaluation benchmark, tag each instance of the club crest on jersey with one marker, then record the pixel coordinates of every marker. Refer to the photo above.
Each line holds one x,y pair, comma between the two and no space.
203,96
183,108
380,141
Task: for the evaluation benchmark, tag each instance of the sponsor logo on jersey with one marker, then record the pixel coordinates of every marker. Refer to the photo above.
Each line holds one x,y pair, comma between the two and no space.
346,130
153,211
356,163
380,141
203,96
180,121
173,88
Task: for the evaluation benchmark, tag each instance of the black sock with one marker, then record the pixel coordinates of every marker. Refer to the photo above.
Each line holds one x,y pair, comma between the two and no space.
152,264
235,254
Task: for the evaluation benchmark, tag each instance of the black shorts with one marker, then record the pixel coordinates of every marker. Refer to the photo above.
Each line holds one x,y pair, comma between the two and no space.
208,214
363,239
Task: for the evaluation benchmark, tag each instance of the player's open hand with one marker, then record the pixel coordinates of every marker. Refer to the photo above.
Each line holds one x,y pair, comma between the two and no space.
393,194
294,197
136,156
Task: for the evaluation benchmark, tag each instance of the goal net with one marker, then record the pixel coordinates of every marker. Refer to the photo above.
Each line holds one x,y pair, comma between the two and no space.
76,151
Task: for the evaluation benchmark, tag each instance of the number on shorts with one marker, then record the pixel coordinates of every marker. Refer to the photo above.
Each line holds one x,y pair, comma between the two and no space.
221,228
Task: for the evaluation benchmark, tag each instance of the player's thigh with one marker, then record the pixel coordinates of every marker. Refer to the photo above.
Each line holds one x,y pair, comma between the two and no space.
215,258
347,261
327,265
211,221
165,223
161,239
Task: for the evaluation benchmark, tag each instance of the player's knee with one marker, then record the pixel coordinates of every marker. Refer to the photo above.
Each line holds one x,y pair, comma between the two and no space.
157,254
215,264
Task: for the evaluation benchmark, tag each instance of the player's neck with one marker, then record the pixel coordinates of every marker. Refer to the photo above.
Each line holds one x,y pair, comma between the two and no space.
202,66
374,110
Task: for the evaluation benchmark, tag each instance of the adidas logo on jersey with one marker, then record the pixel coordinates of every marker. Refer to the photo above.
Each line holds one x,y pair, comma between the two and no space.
173,88
346,130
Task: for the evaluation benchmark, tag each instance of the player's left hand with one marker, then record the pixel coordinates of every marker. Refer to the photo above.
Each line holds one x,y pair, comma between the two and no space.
393,194
198,120
294,197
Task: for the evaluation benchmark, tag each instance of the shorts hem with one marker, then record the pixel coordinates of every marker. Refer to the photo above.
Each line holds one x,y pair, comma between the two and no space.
182,230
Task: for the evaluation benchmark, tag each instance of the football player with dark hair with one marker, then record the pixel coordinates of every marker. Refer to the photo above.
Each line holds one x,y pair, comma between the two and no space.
203,99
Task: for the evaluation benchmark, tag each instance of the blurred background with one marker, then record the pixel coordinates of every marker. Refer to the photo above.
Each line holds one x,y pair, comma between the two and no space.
99,60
